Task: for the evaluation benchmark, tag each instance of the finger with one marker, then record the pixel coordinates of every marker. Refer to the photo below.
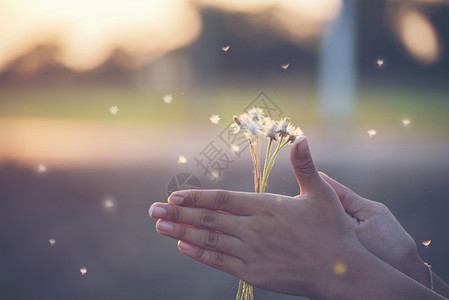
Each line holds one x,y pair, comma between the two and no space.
239,203
351,202
215,259
198,217
305,171
200,237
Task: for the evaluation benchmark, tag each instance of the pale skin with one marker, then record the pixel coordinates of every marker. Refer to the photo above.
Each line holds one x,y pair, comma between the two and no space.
326,243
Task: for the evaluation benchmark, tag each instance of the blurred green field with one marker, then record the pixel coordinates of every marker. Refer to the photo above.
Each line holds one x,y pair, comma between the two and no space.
379,107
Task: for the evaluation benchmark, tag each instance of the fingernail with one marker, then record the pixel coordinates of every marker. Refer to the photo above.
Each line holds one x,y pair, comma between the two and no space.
300,139
184,247
158,212
176,199
164,227
302,146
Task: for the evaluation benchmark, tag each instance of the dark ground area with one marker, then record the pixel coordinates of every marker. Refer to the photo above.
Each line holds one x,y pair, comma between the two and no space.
124,256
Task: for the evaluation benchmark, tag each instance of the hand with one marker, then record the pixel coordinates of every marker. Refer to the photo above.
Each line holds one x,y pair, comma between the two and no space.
380,232
295,245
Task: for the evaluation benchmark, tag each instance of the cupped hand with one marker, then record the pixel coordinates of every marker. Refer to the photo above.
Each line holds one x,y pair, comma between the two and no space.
294,245
381,233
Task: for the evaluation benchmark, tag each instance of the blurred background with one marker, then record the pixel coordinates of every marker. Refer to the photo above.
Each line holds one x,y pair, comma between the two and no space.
107,106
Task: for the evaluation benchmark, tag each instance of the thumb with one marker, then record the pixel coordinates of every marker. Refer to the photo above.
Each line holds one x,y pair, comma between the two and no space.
353,204
305,171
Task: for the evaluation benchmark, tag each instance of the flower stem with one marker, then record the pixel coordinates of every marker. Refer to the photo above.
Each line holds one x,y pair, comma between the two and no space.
266,160
239,291
256,166
270,164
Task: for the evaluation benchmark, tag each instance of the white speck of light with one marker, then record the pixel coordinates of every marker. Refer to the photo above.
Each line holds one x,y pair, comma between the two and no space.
52,242
285,66
426,243
168,98
406,122
214,119
113,110
380,62
83,271
372,132
182,159
41,168
109,203
225,48
235,148
215,174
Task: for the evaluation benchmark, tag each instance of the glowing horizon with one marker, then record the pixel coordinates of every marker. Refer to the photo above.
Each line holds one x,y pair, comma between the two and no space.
86,32
83,34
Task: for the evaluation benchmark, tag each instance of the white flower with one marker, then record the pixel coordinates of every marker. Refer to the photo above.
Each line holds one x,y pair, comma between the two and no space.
214,119
285,127
294,134
256,114
246,124
83,271
285,66
113,110
380,62
253,128
168,98
271,129
236,126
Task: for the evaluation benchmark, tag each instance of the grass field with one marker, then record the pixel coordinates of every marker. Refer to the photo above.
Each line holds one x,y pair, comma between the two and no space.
373,106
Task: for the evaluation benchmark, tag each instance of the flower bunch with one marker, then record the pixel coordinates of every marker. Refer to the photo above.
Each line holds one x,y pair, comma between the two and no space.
256,127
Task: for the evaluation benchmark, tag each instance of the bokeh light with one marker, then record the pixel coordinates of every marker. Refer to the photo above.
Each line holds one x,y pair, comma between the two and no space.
419,37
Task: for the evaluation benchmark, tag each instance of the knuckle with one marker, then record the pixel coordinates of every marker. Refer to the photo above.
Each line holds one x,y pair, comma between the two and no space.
221,201
218,259
195,195
267,208
382,208
175,212
255,278
211,239
199,254
182,232
307,167
208,219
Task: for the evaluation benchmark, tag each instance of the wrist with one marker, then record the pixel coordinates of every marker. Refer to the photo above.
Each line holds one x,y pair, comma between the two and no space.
368,277
417,269
345,275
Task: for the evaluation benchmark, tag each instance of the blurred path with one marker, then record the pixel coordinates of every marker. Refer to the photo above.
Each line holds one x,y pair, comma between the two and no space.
75,144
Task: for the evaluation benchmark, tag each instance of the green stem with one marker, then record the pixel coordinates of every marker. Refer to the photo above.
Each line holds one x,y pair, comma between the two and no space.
266,160
259,177
256,166
257,155
270,164
239,291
